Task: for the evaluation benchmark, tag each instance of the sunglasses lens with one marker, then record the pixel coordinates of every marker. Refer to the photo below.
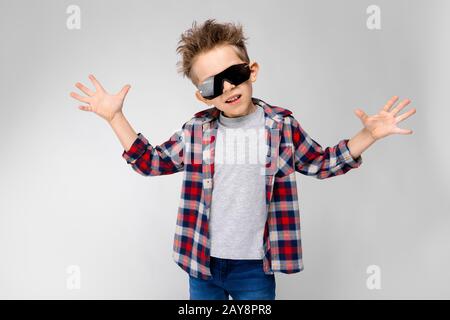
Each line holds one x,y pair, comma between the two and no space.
207,88
237,74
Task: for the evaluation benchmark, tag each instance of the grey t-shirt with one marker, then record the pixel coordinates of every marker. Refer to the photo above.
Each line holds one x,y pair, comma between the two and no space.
238,208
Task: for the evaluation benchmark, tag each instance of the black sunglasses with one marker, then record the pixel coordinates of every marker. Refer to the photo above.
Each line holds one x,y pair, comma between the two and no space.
236,74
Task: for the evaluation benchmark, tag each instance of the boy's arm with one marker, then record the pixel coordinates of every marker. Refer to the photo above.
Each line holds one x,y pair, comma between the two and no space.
360,142
312,160
148,160
123,130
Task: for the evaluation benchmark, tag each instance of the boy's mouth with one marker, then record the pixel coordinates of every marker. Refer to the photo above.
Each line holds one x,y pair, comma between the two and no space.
234,99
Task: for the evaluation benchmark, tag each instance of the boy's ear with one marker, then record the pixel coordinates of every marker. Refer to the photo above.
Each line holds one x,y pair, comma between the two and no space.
254,68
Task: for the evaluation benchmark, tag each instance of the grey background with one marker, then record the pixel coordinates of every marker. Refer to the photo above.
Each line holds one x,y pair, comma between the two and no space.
68,198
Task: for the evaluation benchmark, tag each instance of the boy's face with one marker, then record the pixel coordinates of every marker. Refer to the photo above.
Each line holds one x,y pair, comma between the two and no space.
216,60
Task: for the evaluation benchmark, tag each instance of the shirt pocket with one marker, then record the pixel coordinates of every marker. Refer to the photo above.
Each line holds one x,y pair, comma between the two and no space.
285,161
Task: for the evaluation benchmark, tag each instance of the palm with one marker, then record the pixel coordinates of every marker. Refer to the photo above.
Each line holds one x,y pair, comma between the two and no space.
385,122
107,104
101,102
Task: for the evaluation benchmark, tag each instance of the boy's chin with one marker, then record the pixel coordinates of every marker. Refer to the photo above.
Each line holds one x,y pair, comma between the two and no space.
235,111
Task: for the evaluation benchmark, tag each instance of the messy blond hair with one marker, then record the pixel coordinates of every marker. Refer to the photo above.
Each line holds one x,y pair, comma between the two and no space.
200,39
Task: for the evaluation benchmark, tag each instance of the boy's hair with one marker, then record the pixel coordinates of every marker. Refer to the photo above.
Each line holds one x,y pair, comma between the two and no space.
200,39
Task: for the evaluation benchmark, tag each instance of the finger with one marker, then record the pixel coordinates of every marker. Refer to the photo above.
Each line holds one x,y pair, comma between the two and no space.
405,115
403,131
400,106
85,108
97,84
85,89
80,98
390,103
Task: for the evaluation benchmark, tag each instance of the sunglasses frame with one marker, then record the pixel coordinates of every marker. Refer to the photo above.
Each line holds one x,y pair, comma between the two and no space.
212,81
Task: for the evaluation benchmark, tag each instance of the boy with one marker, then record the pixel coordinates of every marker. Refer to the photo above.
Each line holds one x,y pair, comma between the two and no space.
237,223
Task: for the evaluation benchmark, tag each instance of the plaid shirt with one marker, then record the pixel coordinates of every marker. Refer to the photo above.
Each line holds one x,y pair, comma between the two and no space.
191,150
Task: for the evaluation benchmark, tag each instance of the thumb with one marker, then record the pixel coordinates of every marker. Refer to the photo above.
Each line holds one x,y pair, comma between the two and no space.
360,114
124,90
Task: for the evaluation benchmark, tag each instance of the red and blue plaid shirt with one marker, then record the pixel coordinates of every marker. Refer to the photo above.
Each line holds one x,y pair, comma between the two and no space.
191,150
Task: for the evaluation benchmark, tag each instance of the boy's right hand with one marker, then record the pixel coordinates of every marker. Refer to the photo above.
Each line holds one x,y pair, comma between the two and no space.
100,102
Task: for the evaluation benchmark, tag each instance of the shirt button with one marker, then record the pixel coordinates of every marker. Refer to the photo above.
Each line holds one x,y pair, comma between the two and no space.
207,183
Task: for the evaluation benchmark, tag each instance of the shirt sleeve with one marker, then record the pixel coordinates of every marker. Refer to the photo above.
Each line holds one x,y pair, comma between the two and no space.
312,160
163,159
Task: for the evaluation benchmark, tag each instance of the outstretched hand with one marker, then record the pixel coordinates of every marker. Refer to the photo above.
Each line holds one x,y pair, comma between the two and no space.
384,123
101,102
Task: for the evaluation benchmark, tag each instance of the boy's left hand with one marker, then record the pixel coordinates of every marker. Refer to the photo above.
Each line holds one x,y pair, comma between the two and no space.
385,122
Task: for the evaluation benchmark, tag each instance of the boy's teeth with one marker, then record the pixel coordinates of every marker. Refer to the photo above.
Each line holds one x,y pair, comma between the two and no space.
235,98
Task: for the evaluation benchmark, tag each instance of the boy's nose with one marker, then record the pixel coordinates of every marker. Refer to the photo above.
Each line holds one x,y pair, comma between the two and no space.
227,86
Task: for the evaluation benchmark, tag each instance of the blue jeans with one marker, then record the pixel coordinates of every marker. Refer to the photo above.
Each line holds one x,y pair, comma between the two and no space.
242,279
